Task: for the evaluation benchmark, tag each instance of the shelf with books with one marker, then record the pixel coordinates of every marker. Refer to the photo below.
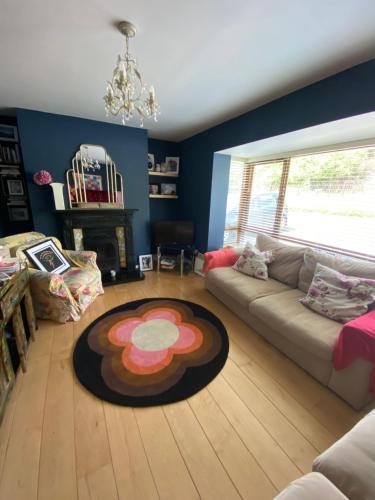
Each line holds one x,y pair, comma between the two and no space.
14,200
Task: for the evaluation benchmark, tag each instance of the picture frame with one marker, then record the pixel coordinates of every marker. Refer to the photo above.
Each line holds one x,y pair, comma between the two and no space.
47,257
145,262
18,213
8,133
15,187
168,189
153,189
151,162
173,164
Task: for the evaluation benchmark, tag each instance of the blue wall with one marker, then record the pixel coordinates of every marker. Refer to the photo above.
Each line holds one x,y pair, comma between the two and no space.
50,141
219,192
349,93
164,209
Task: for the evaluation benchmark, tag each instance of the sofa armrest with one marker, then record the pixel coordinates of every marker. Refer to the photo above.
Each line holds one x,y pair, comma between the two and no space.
349,463
82,258
50,283
310,487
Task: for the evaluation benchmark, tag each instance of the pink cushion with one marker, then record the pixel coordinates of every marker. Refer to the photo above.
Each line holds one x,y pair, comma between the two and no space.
219,258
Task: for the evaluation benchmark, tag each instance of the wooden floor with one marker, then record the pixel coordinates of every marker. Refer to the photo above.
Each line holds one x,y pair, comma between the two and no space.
255,428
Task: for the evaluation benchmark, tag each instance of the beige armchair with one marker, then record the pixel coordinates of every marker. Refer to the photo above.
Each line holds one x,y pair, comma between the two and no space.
60,297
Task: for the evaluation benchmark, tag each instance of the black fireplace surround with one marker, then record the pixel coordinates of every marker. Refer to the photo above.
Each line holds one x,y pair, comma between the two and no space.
99,234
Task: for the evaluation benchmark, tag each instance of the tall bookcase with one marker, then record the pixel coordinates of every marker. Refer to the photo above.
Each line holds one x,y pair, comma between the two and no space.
15,209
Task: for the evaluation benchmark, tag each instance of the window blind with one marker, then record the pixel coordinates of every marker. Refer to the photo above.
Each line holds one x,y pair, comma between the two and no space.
324,200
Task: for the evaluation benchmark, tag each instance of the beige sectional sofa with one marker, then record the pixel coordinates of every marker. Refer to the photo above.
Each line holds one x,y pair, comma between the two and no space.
273,310
345,471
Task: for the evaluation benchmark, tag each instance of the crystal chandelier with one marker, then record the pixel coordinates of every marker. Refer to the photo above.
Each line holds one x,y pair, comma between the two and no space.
126,94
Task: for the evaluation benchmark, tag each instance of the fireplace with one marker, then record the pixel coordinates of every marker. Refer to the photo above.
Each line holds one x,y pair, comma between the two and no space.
104,242
108,232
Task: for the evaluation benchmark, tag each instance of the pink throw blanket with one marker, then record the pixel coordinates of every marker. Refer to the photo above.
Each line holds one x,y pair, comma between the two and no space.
357,340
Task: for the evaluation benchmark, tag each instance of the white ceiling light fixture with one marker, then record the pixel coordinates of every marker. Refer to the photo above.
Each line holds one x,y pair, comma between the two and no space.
127,95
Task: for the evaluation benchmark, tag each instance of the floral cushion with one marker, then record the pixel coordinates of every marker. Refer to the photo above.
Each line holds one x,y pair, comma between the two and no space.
337,296
253,262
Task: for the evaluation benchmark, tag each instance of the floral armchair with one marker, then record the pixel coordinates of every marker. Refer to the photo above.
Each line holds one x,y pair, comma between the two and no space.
60,297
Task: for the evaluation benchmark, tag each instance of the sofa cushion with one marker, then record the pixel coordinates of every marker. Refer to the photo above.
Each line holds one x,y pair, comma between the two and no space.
350,462
219,258
286,315
345,265
243,288
287,259
337,296
310,487
253,262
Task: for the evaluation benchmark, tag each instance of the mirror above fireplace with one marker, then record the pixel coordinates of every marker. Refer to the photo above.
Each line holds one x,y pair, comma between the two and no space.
93,180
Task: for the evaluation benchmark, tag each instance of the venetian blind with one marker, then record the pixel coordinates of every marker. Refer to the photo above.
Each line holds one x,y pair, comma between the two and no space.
324,200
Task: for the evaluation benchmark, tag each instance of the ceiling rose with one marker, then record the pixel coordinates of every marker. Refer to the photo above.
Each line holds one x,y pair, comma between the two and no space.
127,95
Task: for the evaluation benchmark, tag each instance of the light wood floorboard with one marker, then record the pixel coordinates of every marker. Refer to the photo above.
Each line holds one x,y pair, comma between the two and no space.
251,431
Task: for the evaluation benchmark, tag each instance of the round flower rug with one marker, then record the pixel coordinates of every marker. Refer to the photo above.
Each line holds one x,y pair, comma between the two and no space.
151,352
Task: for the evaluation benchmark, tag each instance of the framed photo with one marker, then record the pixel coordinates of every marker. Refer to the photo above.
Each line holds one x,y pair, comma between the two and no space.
47,257
151,162
145,262
153,189
173,164
168,189
17,214
15,187
8,133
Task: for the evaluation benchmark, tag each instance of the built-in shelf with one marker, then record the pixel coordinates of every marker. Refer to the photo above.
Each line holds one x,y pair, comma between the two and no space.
163,174
165,196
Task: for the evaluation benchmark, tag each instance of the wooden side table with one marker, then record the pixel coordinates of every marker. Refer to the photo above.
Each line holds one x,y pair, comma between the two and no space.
12,294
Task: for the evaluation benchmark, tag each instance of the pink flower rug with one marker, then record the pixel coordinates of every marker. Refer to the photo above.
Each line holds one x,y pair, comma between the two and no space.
151,352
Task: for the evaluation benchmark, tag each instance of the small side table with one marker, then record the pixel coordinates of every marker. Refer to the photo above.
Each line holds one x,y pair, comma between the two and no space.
12,294
177,250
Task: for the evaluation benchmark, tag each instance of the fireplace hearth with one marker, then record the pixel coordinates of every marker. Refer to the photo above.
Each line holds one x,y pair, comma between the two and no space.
108,232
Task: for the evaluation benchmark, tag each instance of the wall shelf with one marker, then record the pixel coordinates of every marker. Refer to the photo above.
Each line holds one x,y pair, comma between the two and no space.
165,196
163,174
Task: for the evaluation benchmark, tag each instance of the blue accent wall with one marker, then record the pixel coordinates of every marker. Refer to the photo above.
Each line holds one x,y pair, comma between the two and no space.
50,141
345,94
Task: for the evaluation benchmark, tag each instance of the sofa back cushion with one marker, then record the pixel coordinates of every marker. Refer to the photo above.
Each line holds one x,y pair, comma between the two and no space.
287,259
344,265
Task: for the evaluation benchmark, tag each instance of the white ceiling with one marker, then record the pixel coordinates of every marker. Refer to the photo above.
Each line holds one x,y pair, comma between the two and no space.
209,60
358,130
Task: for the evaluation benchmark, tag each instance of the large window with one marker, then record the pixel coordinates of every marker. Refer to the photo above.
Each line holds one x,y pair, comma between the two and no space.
325,200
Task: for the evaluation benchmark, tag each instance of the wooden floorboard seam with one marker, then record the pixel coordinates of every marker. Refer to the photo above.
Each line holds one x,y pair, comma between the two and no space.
181,454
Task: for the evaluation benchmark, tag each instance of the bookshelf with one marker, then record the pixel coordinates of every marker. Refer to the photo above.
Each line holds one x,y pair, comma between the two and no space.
14,199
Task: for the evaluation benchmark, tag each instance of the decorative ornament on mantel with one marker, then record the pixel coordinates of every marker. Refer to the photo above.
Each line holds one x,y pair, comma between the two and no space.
44,178
127,95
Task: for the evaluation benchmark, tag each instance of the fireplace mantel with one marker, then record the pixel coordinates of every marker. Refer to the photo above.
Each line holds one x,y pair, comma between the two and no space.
91,221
